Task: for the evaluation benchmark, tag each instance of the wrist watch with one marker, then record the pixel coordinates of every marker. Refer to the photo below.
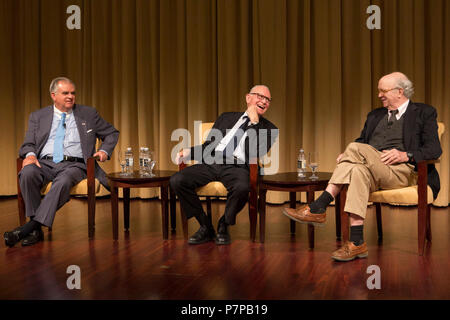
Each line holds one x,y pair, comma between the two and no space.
410,156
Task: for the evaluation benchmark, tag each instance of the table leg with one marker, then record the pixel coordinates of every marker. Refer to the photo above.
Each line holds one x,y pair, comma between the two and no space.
337,212
292,203
310,196
173,209
262,214
164,209
343,215
126,208
114,211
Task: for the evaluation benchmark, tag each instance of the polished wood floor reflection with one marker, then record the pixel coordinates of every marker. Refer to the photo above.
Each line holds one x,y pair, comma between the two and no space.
140,265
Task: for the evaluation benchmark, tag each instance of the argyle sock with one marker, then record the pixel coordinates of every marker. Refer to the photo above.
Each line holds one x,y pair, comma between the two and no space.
356,235
321,204
28,227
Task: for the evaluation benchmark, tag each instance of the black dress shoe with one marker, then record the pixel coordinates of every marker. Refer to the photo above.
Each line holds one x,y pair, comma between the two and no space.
11,237
204,234
223,237
34,237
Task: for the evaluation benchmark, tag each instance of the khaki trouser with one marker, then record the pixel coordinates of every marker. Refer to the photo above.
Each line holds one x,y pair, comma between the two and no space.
361,168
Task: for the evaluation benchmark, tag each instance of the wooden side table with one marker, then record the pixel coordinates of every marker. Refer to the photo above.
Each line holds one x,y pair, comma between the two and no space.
135,180
290,182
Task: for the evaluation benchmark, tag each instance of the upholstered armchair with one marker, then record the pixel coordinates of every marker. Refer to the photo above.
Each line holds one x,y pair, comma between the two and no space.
419,195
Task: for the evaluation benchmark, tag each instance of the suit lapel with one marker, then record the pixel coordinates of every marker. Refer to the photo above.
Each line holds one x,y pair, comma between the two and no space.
45,126
81,126
409,123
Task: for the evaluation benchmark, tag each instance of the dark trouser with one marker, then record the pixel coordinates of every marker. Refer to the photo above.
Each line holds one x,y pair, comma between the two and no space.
64,176
235,178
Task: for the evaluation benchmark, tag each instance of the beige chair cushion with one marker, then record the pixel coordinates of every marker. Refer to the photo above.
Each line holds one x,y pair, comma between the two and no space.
402,196
215,188
77,190
212,189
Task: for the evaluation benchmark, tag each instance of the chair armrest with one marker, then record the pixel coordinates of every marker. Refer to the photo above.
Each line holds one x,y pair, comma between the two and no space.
19,164
90,166
254,173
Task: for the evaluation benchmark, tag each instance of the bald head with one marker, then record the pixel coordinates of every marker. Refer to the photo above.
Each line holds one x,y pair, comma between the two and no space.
394,89
399,80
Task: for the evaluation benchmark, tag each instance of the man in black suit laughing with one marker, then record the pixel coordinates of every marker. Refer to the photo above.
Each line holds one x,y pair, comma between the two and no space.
235,139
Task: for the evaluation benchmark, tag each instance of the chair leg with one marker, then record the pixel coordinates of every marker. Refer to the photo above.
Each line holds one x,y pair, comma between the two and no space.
173,209
91,196
428,236
379,221
208,209
422,228
91,215
20,202
262,215
184,223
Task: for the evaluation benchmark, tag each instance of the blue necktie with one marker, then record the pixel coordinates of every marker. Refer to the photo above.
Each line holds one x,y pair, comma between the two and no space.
58,147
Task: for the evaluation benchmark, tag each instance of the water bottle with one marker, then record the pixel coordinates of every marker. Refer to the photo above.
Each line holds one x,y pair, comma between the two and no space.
142,168
301,164
129,160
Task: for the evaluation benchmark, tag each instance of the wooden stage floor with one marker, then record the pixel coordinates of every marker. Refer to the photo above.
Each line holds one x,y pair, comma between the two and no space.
140,265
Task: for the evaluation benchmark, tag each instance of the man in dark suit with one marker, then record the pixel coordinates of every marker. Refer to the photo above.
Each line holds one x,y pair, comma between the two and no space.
235,139
57,144
394,138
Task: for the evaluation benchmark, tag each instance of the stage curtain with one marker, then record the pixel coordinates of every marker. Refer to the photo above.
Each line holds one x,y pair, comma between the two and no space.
151,67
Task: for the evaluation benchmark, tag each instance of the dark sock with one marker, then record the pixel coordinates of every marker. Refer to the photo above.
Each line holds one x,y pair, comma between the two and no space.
356,235
203,220
222,225
28,227
320,205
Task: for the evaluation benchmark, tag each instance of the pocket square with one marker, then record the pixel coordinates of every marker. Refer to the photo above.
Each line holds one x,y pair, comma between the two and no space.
89,131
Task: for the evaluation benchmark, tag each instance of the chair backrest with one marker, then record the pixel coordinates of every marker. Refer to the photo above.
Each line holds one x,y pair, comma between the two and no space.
441,130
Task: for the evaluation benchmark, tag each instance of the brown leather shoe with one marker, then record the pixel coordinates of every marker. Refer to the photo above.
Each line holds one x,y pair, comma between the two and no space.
350,252
304,215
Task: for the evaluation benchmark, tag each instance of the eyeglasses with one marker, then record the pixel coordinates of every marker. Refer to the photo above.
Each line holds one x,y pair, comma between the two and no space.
384,91
261,97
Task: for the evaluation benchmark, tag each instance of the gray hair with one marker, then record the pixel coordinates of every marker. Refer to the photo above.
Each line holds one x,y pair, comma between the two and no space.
407,86
56,81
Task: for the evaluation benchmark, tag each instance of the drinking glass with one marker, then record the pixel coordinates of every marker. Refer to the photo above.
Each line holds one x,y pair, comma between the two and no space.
313,162
150,164
123,163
